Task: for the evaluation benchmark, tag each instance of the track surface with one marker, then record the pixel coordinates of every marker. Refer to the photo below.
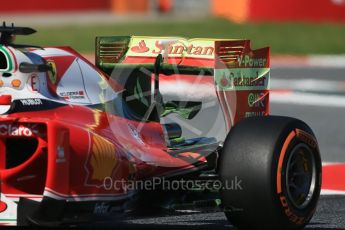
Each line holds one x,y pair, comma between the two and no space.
328,122
330,215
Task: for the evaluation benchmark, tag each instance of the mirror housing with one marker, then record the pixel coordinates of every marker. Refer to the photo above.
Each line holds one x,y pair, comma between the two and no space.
26,67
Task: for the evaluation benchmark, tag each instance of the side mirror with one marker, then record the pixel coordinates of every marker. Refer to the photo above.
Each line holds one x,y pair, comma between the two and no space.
26,67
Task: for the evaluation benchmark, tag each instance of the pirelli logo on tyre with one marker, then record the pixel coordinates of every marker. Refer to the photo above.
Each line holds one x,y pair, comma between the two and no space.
289,213
307,138
299,147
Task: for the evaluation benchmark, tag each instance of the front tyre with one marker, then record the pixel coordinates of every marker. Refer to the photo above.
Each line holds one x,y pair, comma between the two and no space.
278,163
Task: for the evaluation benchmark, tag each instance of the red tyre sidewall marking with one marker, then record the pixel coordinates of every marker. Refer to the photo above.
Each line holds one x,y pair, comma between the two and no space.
288,140
308,139
304,137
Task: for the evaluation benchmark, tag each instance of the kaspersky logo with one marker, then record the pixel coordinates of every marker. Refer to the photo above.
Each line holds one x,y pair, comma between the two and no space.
257,100
17,130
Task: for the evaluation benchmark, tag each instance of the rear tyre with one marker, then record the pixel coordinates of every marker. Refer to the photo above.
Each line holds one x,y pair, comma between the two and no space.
271,168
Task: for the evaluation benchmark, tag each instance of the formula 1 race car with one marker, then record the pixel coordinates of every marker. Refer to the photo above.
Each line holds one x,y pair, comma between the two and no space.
158,123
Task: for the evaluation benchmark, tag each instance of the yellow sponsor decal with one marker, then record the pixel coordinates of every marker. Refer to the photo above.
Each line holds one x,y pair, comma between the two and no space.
103,159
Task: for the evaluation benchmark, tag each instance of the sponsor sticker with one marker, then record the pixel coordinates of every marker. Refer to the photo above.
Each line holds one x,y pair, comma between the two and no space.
34,83
247,61
31,102
73,95
257,100
174,47
255,114
140,48
18,130
102,161
101,208
242,79
52,73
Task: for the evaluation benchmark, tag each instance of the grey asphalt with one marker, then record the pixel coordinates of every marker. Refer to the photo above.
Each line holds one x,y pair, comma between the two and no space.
326,73
330,215
328,123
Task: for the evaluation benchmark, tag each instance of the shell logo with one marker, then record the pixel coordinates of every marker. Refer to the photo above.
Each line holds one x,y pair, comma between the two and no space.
103,158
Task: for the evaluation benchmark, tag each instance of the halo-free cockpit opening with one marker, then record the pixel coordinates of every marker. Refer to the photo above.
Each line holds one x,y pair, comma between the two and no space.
3,62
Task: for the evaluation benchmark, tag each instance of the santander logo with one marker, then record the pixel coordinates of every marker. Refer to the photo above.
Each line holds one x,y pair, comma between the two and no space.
177,48
141,48
17,130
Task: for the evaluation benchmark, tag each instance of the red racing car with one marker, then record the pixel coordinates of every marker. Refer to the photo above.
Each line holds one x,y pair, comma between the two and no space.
158,123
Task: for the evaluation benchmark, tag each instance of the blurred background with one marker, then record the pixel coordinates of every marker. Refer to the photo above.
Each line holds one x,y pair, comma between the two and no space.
289,27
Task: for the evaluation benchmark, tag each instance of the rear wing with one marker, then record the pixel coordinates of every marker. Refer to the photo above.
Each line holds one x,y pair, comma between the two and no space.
239,73
186,54
141,49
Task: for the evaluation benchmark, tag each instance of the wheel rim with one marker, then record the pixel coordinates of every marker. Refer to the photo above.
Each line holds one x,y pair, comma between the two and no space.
301,176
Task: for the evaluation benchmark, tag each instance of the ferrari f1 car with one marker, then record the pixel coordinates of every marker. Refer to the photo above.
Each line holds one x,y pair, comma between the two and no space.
158,123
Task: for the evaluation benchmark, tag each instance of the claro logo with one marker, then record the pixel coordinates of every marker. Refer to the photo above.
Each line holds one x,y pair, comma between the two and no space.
17,130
